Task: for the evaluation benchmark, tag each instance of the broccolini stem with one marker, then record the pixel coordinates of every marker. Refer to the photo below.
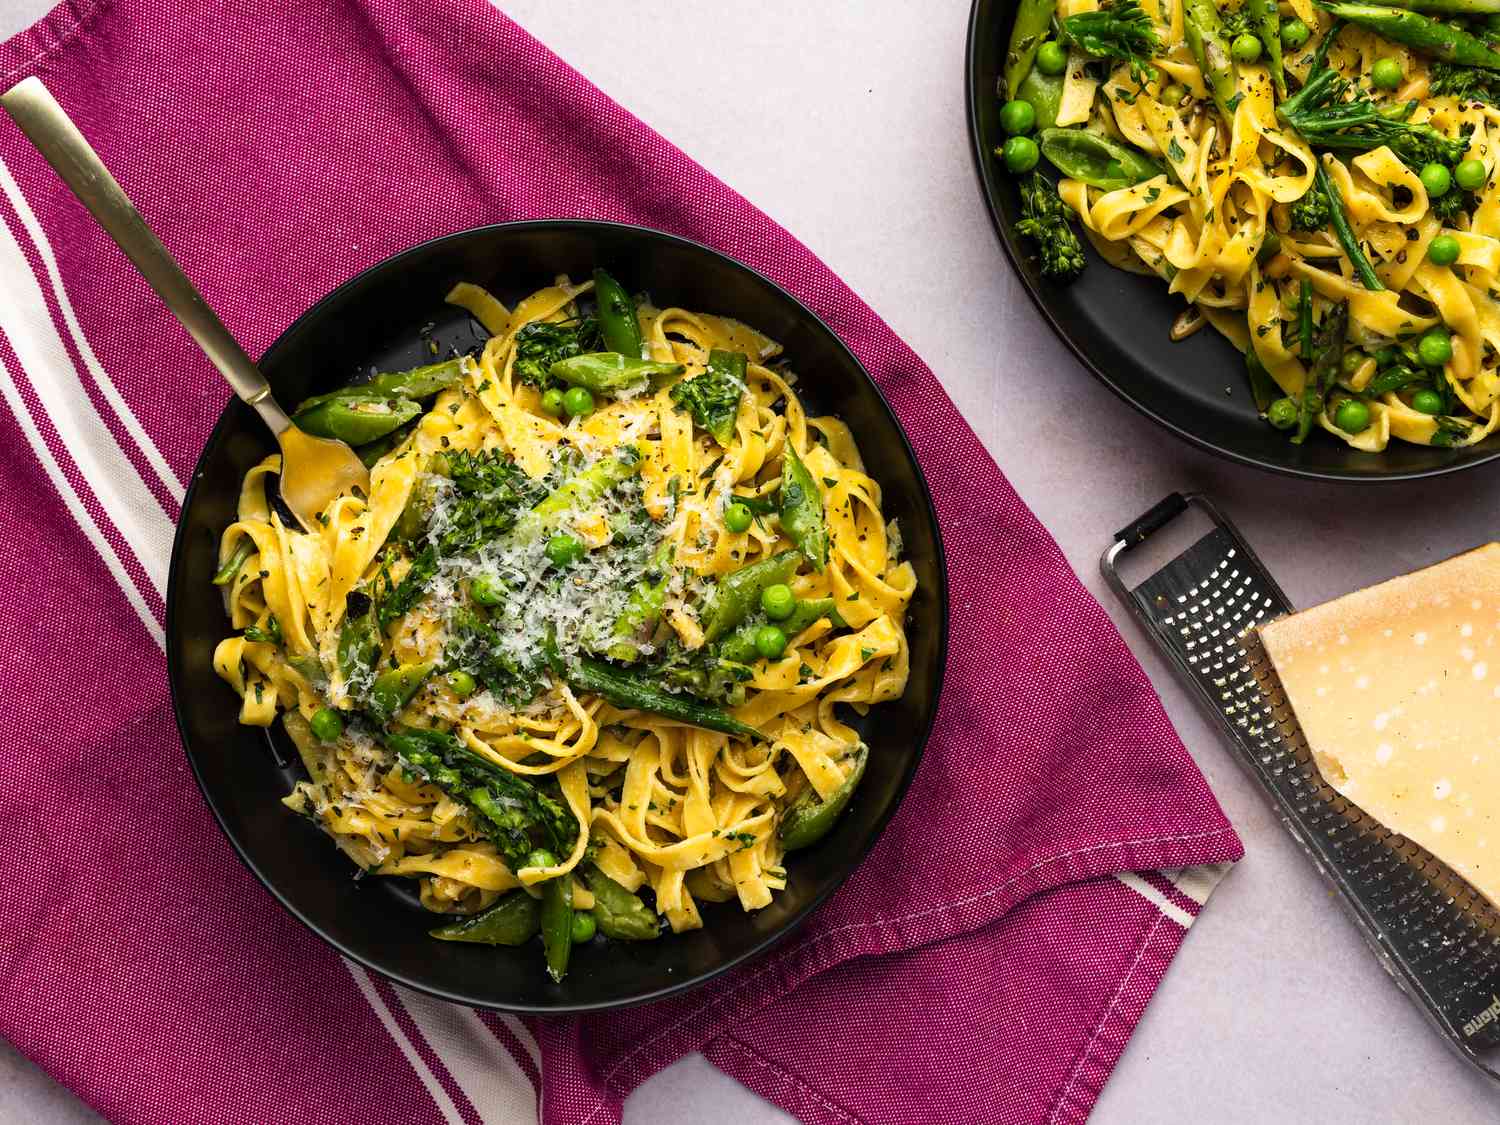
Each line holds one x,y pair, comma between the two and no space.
1367,275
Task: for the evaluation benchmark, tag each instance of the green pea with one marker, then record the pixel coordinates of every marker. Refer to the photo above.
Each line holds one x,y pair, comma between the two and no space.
1435,348
1436,179
577,401
737,517
1282,414
1351,416
1018,117
541,857
1020,154
1270,246
778,601
1387,355
1386,74
1051,58
564,550
770,642
583,927
486,591
1172,93
552,401
462,684
1470,174
1428,402
1294,34
1351,361
1245,48
1443,250
327,724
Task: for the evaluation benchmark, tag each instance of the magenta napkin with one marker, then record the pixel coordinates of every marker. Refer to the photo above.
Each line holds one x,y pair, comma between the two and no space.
986,963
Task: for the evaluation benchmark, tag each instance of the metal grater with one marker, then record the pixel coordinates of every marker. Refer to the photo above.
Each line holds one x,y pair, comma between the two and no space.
1432,932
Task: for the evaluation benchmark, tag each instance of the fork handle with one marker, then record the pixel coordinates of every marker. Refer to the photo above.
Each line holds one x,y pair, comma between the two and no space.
33,108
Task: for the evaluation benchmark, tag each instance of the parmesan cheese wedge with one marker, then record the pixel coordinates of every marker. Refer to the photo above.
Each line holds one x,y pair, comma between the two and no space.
1397,689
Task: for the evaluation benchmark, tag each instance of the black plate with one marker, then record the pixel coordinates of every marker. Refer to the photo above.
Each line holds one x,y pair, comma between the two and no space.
378,319
1116,323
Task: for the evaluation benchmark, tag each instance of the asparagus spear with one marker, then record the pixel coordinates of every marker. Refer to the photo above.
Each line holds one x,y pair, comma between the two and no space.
1419,32
1267,20
1205,36
1320,377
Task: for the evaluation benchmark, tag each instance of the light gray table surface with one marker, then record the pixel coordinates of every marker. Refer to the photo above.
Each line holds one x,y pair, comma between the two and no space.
844,121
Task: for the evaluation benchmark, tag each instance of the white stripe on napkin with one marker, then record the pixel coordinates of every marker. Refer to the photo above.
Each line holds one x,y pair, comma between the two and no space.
117,486
1159,900
493,1082
102,380
429,1080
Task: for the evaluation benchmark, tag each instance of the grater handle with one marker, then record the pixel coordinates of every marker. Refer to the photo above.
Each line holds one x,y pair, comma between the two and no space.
1163,512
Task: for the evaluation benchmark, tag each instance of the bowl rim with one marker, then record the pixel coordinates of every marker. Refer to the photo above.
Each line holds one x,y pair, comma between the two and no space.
988,189
847,865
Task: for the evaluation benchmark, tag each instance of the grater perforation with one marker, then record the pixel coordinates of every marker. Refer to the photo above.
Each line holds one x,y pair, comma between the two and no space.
1433,933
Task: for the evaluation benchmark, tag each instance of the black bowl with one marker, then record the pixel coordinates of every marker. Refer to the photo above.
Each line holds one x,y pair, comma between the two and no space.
1116,323
381,318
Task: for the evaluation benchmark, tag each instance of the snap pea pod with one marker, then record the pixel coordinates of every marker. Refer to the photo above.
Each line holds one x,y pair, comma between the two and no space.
514,920
417,383
357,419
619,914
1205,36
231,566
310,669
643,607
1097,160
373,451
1044,92
393,689
618,324
557,924
419,503
739,646
1420,33
713,398
809,818
1266,18
607,373
636,692
736,595
1033,17
802,510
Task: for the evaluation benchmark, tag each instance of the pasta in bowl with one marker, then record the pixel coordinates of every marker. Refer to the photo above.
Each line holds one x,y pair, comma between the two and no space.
1313,180
589,653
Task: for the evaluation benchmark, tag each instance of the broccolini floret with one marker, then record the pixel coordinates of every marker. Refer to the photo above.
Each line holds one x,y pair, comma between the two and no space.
1312,211
1045,220
540,345
1466,83
1122,32
1332,113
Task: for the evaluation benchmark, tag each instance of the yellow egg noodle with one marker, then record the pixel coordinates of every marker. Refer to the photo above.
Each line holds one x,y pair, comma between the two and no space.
688,812
1217,221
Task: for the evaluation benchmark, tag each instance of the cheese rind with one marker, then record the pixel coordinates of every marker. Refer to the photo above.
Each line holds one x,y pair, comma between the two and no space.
1397,690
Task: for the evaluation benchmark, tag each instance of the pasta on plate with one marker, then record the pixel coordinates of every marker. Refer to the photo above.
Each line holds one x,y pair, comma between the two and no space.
590,631
1315,180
